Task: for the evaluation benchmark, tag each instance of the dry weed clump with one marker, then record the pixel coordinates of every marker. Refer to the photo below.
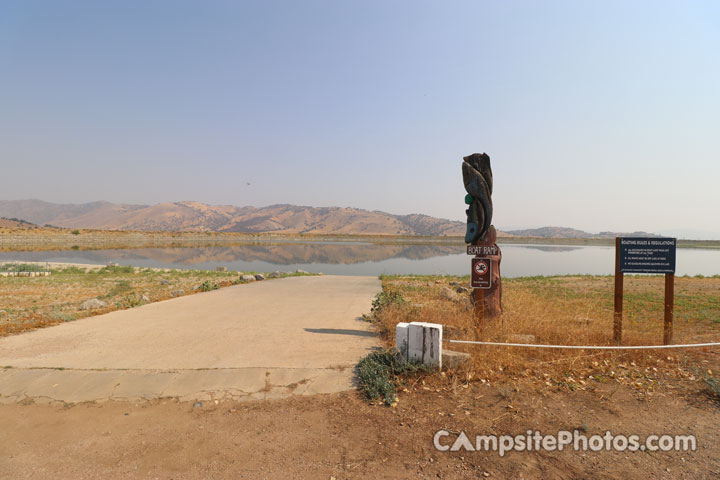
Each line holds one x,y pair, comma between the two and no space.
562,311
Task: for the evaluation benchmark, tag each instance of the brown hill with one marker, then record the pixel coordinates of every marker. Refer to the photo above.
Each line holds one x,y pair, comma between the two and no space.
195,216
15,224
564,232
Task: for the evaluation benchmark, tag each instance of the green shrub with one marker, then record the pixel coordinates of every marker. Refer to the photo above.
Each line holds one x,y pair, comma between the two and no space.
384,299
129,301
69,271
379,373
75,232
117,269
206,286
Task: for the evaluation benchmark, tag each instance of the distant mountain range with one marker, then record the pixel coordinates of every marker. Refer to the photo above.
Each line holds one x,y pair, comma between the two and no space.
195,216
564,232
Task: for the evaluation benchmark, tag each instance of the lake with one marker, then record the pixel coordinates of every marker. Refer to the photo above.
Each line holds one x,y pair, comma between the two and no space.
357,258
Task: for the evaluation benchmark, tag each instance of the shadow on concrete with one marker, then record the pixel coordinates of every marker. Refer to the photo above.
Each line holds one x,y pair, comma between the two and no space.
342,331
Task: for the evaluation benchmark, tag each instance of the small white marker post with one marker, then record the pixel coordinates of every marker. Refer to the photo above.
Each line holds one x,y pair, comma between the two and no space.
420,342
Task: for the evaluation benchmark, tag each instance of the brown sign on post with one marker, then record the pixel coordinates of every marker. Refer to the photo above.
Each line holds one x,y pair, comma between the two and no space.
481,273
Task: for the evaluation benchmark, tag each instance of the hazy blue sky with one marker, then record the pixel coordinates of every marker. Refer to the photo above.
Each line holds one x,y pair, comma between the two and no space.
597,115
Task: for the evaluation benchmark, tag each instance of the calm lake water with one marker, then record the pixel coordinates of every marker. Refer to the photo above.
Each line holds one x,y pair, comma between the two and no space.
346,258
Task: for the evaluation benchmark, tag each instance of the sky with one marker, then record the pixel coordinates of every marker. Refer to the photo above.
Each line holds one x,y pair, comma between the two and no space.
602,116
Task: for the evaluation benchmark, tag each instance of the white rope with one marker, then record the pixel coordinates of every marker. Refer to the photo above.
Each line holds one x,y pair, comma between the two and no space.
589,347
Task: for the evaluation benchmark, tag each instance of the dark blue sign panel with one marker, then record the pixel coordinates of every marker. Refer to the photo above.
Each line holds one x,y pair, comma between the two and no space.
647,255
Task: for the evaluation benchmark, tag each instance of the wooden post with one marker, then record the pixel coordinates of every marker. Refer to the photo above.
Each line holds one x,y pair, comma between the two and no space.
669,307
617,318
488,302
479,301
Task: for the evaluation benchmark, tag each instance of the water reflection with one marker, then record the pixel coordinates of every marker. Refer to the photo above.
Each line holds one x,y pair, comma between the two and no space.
277,254
551,248
345,258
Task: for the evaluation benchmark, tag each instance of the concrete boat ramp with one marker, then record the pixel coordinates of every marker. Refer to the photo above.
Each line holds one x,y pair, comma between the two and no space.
270,339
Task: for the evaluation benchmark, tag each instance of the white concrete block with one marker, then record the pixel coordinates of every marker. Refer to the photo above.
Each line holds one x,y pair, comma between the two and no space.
401,338
425,343
432,348
416,342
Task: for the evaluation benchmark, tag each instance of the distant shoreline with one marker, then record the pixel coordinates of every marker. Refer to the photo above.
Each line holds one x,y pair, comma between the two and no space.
86,239
598,242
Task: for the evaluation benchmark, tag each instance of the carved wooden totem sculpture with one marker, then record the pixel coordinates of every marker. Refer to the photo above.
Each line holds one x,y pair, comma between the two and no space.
478,180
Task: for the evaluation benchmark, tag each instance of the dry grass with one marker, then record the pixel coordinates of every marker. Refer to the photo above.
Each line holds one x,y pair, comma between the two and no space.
568,311
31,302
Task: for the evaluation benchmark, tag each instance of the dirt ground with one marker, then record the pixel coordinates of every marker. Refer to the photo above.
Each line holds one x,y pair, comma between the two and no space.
343,436
502,392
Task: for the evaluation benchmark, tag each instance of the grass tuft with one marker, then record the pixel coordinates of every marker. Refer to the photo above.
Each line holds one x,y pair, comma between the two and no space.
117,269
206,286
713,385
385,299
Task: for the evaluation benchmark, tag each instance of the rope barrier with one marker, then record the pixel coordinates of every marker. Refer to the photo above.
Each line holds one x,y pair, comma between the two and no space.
589,347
